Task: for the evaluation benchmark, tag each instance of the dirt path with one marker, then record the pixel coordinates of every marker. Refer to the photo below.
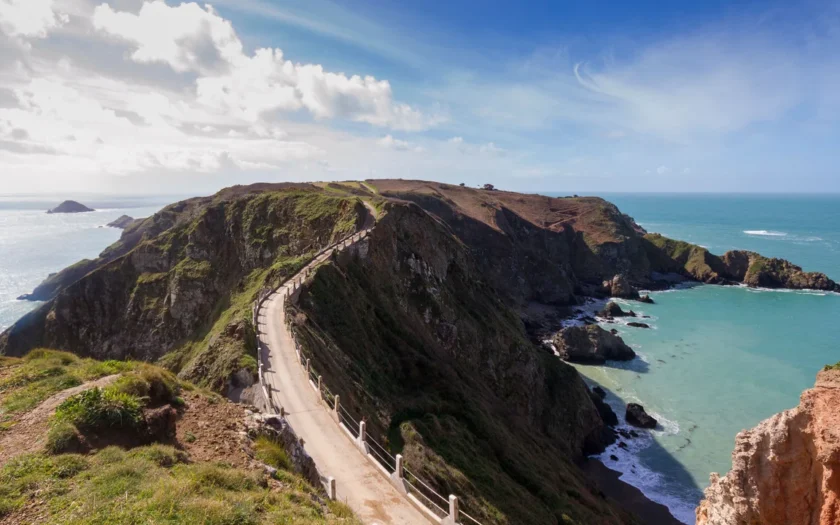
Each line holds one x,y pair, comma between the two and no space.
30,432
358,482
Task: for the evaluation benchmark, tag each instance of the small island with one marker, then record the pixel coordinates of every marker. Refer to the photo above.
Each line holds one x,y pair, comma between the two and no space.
70,207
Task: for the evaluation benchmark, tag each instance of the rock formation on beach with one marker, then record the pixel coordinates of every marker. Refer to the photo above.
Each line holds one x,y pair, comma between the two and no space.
591,344
786,470
636,416
70,207
612,309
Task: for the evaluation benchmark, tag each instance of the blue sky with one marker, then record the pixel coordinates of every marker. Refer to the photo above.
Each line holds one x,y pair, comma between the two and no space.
533,96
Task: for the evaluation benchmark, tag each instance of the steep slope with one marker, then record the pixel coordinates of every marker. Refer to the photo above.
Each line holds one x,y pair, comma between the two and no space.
785,471
185,287
406,329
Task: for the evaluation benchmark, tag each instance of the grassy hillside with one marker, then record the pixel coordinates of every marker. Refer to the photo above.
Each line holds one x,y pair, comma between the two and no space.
181,476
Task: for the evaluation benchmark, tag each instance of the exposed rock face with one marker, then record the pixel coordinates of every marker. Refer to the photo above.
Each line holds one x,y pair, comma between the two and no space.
591,344
637,416
635,324
123,222
646,299
406,328
750,268
171,278
614,310
606,413
786,470
70,207
619,286
279,431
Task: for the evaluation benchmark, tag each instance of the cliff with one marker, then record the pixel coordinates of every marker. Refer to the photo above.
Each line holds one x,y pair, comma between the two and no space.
406,328
786,470
180,284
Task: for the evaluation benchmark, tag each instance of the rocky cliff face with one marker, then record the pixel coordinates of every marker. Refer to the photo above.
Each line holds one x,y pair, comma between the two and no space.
409,332
785,471
181,285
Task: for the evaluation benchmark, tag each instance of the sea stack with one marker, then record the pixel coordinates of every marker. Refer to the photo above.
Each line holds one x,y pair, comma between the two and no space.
70,207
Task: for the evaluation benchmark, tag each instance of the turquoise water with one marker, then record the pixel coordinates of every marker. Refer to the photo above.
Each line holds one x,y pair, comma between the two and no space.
720,359
34,244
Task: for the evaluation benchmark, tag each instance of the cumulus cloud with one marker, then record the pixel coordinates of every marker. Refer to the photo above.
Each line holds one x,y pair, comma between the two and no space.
662,170
29,18
192,39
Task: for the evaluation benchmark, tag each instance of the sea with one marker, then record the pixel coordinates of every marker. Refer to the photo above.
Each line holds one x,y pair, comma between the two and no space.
719,359
716,359
34,244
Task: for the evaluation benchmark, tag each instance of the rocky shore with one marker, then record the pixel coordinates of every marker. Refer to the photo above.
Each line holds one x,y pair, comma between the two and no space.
786,470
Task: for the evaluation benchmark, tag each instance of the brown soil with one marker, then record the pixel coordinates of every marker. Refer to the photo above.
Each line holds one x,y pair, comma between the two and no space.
210,429
29,434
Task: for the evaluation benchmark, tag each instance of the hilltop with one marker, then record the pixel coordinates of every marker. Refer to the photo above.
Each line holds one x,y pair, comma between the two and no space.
70,207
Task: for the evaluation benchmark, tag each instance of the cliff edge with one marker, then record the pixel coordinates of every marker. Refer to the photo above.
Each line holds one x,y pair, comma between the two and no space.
785,471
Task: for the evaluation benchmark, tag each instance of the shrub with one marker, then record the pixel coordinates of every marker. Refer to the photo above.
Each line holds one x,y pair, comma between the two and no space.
272,453
96,408
62,437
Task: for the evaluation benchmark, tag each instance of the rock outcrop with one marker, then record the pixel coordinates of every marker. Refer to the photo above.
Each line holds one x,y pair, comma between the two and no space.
636,416
591,344
619,286
612,309
786,470
734,267
122,222
70,207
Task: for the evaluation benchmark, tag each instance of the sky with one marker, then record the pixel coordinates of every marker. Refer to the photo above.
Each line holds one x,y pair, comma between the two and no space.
154,96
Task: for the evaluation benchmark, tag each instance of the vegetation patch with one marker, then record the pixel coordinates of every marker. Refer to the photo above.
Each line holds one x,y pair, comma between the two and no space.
272,453
30,380
157,484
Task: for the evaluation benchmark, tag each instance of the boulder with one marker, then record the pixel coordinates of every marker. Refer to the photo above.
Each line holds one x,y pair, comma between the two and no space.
638,325
70,207
645,299
591,344
600,391
604,410
637,416
619,286
614,310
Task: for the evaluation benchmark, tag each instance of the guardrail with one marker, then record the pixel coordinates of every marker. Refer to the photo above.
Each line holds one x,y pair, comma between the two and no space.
427,500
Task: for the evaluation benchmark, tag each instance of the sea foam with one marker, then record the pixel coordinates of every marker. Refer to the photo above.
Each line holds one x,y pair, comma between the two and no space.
765,233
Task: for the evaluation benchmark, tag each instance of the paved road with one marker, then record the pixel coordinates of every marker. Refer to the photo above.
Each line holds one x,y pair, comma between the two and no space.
358,482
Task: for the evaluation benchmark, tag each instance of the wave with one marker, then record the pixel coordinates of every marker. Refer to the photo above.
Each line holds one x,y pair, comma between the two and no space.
765,233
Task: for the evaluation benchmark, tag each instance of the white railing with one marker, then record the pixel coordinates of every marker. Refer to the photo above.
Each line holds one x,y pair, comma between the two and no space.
420,493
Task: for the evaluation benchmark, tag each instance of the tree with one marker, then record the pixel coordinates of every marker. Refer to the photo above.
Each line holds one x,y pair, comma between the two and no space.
489,187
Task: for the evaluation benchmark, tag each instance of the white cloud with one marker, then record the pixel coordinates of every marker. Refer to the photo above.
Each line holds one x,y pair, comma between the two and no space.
456,140
28,18
186,37
193,39
662,170
390,142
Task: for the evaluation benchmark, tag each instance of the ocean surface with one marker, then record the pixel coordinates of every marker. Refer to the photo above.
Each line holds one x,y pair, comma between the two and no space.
34,244
717,359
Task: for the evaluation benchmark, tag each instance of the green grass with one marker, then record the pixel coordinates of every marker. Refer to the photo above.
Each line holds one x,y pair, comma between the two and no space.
156,484
272,453
30,380
100,407
835,366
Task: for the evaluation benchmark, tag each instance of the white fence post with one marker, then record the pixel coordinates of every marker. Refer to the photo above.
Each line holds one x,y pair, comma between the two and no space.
399,468
307,367
331,487
361,441
453,508
319,386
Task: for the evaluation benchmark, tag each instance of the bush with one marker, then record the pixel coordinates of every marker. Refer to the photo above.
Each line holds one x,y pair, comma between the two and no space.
96,408
272,453
62,437
153,384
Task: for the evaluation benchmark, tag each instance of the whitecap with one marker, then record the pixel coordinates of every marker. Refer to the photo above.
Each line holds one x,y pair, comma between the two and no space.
765,233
